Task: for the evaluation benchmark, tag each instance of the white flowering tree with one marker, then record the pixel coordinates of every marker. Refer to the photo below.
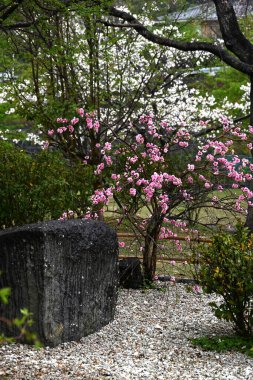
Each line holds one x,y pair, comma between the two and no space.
81,62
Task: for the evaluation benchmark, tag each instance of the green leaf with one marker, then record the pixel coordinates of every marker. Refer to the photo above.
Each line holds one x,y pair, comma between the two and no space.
4,294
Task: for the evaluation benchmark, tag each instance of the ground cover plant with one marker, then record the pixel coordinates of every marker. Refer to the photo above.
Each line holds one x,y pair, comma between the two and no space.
225,343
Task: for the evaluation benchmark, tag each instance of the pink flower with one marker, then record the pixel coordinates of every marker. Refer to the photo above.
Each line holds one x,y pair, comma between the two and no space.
210,157
74,120
80,111
132,191
139,139
71,129
100,168
108,146
183,144
191,167
89,121
96,126
115,176
122,244
108,160
61,120
197,289
50,132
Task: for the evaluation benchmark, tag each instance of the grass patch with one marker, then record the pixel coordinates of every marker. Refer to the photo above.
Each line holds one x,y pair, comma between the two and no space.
225,343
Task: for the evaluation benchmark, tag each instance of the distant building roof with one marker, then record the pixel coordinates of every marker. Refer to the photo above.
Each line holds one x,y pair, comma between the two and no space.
207,12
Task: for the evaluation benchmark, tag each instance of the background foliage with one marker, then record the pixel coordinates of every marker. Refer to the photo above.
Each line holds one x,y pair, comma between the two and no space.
39,187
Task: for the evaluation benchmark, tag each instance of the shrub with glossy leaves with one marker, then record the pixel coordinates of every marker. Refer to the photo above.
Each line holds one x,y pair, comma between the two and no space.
227,269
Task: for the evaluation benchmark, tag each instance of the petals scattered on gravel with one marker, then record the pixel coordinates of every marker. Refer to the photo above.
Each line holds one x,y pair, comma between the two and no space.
147,340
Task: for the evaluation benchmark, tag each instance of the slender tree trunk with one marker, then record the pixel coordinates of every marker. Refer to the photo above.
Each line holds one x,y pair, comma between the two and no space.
150,247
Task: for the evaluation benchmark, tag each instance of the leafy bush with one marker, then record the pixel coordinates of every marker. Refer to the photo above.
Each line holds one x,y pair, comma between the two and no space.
227,269
39,187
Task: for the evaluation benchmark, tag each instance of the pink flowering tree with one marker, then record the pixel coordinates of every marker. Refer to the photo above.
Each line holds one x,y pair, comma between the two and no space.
168,171
165,171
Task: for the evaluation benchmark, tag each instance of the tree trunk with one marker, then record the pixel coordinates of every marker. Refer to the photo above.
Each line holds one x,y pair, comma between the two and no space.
150,247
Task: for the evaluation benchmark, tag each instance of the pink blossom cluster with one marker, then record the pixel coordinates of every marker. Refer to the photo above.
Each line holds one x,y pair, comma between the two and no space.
73,215
61,120
102,196
67,215
74,125
91,123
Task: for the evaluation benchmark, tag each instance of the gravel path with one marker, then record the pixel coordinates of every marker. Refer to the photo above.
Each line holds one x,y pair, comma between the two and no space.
147,340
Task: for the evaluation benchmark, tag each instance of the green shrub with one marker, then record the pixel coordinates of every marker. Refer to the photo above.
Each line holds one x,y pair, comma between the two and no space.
227,269
40,187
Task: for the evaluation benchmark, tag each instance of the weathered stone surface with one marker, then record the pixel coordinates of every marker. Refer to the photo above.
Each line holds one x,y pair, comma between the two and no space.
130,274
65,273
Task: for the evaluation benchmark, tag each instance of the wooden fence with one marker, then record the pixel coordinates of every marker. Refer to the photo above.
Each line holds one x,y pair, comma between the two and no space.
199,239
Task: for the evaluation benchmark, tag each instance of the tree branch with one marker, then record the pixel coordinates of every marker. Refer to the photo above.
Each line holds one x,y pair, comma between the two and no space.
217,50
10,10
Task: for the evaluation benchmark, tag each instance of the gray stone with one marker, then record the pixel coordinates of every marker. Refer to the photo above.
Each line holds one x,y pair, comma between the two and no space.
65,273
130,273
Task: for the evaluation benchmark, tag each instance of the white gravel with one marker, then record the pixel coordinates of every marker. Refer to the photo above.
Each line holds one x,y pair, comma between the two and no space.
147,340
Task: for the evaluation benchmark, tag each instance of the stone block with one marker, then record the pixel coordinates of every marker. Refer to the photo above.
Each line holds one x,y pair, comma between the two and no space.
130,273
65,273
